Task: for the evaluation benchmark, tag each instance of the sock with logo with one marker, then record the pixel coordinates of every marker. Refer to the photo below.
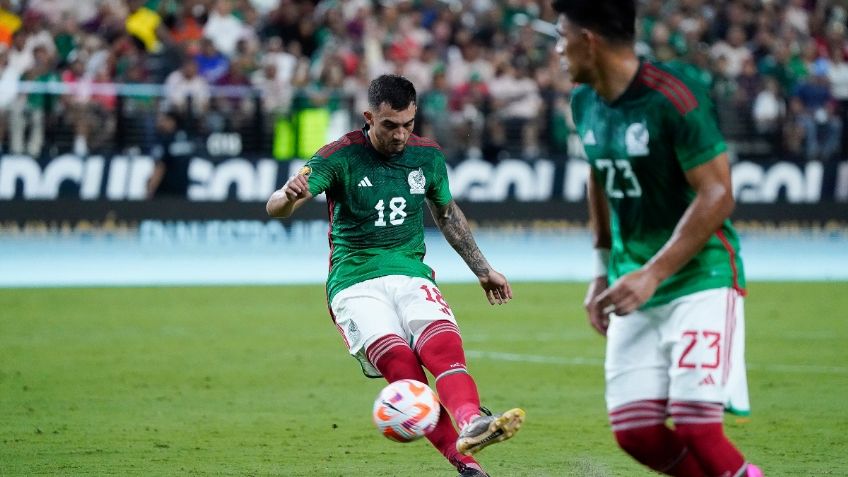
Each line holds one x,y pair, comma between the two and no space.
699,425
640,430
395,360
440,349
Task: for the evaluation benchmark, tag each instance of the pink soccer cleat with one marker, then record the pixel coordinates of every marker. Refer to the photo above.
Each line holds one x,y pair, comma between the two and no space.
753,471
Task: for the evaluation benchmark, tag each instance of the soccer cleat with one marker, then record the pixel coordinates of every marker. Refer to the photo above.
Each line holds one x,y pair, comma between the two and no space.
486,430
753,471
471,472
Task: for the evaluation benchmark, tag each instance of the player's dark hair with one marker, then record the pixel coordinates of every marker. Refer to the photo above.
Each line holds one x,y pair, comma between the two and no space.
395,90
614,20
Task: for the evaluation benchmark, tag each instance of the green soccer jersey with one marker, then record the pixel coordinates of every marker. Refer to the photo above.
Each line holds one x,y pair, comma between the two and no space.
639,147
376,206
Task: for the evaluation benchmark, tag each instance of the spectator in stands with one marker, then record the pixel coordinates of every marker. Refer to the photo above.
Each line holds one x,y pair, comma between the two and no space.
237,105
223,28
434,112
186,91
212,65
285,61
9,78
9,23
779,65
274,90
469,106
20,57
468,60
516,103
768,110
146,25
30,112
838,78
733,50
749,84
822,127
172,153
76,103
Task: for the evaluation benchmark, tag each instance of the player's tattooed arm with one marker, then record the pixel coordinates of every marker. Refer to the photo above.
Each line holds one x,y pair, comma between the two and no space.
454,227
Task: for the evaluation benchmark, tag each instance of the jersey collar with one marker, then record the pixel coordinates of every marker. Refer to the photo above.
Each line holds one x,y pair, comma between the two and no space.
634,89
374,150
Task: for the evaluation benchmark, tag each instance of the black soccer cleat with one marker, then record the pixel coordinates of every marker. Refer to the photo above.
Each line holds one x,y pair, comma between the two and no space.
472,472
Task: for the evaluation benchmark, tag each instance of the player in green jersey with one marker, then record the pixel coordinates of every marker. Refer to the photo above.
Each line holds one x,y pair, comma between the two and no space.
669,289
383,298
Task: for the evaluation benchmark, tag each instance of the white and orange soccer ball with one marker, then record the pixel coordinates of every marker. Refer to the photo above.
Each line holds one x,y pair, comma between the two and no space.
406,410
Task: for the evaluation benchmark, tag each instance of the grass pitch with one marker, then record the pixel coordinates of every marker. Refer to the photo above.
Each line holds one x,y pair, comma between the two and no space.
256,381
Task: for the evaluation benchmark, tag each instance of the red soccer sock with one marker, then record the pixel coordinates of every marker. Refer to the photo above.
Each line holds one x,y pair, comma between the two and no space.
699,425
395,360
640,430
440,350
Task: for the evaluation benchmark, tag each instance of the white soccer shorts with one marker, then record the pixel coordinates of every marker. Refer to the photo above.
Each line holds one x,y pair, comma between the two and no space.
394,304
691,349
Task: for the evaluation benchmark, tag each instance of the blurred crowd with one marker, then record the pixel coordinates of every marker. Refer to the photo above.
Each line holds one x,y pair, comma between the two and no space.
490,83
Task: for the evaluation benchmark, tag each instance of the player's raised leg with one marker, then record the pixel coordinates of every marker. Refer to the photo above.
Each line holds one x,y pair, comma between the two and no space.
440,350
395,360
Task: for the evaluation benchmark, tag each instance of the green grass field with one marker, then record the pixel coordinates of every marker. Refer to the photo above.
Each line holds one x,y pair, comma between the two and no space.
256,381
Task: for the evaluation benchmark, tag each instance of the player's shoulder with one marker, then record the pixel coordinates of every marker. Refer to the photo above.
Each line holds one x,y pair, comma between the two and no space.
338,147
422,142
582,96
581,91
679,89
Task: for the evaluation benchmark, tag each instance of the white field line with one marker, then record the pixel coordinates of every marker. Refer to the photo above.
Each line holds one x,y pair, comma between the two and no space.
583,361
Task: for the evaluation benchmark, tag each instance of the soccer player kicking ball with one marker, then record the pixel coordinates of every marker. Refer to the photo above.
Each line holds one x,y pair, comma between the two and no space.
382,297
670,285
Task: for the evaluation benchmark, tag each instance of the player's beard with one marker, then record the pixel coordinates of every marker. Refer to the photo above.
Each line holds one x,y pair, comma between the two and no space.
394,147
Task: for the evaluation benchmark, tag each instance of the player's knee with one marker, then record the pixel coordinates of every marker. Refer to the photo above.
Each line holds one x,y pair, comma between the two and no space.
440,348
640,442
639,427
395,360
696,422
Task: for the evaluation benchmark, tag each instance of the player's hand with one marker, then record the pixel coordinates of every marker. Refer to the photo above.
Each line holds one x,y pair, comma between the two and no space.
597,319
296,187
629,293
497,288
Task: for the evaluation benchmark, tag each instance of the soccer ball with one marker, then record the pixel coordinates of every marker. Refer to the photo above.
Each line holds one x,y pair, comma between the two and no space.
406,410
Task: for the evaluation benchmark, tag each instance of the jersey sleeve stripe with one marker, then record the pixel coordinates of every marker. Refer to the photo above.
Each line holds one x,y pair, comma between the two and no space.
653,84
419,141
353,137
678,86
664,81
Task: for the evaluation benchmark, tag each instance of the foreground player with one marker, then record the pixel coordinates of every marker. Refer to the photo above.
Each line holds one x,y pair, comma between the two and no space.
669,288
382,296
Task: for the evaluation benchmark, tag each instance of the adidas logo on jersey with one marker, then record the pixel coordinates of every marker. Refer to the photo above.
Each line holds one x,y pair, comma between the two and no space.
365,182
708,381
589,138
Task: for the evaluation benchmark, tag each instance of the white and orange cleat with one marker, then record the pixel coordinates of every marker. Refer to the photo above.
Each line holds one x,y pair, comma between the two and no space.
488,429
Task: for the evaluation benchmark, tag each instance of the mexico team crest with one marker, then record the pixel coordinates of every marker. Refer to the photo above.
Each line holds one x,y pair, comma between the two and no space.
416,182
353,332
636,139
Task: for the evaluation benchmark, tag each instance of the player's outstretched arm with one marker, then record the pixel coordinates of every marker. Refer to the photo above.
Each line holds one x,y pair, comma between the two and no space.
284,201
454,227
713,204
602,241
